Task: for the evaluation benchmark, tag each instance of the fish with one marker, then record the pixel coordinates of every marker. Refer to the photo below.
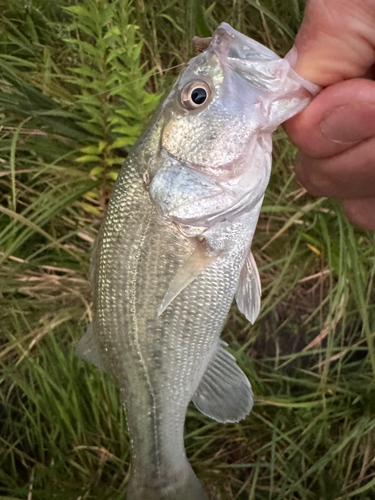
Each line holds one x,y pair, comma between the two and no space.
175,249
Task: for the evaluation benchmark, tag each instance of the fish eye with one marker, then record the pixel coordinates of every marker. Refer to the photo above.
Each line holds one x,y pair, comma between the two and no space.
195,94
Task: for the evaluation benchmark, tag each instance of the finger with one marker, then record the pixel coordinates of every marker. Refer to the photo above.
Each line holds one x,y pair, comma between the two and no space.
347,175
336,40
340,116
361,211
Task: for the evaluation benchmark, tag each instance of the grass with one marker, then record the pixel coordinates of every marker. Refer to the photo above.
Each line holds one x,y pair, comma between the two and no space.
72,101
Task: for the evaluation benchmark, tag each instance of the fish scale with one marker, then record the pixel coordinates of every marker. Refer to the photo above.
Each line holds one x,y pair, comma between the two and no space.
175,248
194,321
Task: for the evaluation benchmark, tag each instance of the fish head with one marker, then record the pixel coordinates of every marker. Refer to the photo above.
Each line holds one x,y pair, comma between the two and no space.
227,97
215,143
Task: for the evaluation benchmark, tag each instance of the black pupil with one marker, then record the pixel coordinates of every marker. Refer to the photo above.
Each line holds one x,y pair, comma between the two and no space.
198,96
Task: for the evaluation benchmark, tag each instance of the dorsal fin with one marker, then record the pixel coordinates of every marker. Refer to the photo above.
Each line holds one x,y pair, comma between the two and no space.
249,289
224,392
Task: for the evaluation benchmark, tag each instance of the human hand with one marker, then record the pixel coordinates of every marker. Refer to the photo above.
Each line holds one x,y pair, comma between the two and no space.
336,132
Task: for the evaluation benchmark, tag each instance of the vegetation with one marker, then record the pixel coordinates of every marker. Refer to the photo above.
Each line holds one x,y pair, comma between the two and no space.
79,81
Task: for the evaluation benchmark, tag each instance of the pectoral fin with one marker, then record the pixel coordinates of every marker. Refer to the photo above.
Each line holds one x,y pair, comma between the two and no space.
224,392
249,290
89,350
193,267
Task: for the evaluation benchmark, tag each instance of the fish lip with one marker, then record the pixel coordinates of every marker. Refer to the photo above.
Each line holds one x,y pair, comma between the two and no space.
225,38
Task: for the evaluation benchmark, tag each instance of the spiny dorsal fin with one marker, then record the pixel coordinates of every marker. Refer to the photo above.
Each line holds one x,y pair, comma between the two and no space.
224,392
88,348
193,267
249,289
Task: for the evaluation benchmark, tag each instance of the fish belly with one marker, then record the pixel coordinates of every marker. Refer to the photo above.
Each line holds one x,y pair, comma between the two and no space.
158,361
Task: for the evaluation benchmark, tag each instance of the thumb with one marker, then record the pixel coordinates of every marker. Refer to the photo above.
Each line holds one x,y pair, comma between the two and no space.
336,40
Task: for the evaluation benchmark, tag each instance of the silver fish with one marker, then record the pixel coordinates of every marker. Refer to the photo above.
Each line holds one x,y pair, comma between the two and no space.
174,250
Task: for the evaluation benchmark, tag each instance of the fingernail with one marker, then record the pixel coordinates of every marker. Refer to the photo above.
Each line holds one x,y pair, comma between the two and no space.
349,124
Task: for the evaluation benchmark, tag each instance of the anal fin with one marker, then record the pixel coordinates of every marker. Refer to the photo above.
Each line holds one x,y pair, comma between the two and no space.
249,289
224,392
88,349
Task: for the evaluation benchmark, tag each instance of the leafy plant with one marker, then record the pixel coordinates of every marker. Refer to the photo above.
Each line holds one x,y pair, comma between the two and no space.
113,98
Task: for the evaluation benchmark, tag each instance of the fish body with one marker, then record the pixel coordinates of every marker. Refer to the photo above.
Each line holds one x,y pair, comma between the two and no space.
174,250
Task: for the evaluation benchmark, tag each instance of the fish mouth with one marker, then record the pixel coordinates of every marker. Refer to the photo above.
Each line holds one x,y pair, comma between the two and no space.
253,59
230,43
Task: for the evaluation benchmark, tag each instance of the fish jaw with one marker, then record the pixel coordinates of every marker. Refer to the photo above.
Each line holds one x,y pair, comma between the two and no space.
197,203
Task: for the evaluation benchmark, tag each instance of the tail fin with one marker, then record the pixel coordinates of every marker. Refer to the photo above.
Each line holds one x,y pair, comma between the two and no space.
184,486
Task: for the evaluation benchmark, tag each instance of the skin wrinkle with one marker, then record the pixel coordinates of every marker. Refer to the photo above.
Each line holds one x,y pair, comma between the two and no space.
304,129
